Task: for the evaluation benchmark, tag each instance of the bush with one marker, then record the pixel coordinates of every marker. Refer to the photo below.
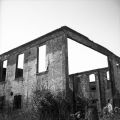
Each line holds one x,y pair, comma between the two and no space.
48,106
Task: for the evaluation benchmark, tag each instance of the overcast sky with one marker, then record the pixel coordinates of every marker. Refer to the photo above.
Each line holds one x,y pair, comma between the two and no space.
24,20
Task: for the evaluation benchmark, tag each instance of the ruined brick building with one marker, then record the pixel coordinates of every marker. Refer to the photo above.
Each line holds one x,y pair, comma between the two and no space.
17,85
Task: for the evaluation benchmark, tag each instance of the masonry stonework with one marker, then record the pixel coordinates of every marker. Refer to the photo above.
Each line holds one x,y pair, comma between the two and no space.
56,78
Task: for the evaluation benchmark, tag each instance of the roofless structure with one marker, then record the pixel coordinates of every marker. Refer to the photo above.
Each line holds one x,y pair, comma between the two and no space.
18,84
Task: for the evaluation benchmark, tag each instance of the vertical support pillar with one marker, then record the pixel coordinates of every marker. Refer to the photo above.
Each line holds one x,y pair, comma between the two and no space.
10,77
98,92
101,83
29,75
115,80
84,85
83,92
102,87
58,65
74,93
1,70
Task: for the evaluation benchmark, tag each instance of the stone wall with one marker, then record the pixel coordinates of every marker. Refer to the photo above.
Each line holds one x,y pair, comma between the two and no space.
98,90
53,78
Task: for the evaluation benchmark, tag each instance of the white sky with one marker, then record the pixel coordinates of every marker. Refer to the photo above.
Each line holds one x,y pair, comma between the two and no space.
82,58
24,20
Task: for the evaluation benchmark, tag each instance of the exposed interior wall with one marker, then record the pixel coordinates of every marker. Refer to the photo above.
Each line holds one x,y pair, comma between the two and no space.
98,91
93,84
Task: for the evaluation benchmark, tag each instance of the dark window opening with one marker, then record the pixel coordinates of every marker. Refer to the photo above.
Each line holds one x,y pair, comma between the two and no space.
94,101
2,101
93,88
42,59
11,93
108,84
19,68
17,102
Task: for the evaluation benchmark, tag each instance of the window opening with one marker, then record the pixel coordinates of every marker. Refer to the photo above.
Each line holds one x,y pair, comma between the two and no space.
92,88
94,101
118,67
108,75
42,59
3,70
20,63
82,58
108,80
5,64
2,101
92,78
17,102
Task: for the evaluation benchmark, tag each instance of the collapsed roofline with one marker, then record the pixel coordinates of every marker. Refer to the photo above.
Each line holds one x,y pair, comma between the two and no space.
69,33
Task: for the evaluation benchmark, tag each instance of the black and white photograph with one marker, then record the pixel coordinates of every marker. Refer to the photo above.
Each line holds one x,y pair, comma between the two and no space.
59,59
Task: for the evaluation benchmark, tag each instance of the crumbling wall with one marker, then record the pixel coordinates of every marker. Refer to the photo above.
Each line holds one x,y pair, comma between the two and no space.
97,92
56,78
53,79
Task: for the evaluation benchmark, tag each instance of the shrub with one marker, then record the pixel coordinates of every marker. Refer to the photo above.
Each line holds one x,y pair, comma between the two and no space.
48,106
